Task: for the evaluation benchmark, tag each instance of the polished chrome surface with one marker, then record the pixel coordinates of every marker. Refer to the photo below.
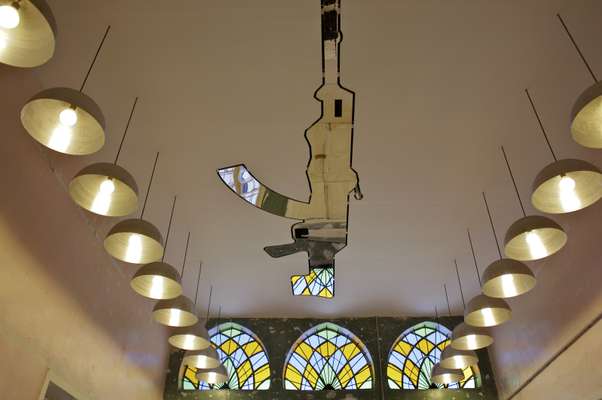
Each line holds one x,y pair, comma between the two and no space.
213,376
534,237
190,338
484,311
86,189
453,358
32,42
135,241
507,278
178,312
553,196
158,281
445,376
40,118
586,117
203,359
466,337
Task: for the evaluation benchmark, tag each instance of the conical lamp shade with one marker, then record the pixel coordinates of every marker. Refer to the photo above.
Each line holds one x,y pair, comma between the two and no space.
586,117
466,337
203,359
534,237
158,280
105,189
484,311
31,42
213,376
445,376
190,338
65,120
135,241
507,278
566,186
176,312
458,359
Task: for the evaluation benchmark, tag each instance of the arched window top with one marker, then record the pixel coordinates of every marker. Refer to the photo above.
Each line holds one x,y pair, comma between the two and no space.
243,355
416,351
328,357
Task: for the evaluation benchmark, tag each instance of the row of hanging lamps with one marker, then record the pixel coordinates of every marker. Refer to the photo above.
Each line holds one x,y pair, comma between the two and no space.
531,237
453,358
505,278
564,185
484,311
178,311
207,358
439,374
467,337
27,33
586,115
193,337
135,240
66,120
106,188
158,280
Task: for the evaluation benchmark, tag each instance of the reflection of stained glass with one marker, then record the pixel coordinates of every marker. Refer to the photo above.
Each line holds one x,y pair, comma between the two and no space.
414,354
242,182
319,282
244,357
328,357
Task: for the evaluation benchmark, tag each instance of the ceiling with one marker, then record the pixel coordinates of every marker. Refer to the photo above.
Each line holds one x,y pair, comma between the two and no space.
439,88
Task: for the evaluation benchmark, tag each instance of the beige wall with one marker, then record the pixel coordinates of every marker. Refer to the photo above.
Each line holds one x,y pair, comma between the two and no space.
568,297
65,306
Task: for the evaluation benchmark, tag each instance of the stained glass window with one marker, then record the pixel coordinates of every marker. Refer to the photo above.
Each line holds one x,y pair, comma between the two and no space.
414,354
319,282
244,357
328,357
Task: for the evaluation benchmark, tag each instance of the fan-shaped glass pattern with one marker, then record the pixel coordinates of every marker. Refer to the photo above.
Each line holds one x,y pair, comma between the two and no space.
244,357
319,283
416,351
328,357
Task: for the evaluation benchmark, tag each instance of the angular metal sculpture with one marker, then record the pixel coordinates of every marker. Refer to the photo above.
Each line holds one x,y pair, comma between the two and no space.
323,230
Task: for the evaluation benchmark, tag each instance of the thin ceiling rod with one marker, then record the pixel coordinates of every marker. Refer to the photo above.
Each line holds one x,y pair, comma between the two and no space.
447,299
196,294
102,42
591,71
543,130
492,226
460,284
127,126
150,182
514,182
173,207
185,255
209,305
474,257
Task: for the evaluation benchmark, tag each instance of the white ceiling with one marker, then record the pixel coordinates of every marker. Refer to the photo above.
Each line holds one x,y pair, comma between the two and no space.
439,87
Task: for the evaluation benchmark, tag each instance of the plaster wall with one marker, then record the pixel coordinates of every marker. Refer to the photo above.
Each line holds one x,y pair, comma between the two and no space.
66,309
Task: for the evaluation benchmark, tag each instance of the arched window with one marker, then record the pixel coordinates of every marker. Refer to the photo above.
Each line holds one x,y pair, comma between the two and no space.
243,355
328,357
414,354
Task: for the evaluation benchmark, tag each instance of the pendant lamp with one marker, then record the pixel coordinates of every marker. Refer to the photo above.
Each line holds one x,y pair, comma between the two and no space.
505,277
213,376
445,376
466,337
27,33
483,311
158,280
193,337
565,185
66,120
179,311
106,188
136,241
203,359
532,237
586,115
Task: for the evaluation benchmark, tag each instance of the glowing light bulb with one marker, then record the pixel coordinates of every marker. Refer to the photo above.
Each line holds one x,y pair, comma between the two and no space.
509,286
102,201
60,139
157,287
568,197
9,17
536,246
107,186
68,117
133,253
566,183
174,317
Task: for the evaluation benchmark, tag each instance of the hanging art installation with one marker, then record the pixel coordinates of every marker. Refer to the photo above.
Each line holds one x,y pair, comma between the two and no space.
322,232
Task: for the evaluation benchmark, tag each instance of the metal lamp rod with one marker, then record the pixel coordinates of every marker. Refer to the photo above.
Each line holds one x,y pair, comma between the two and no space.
591,71
514,182
127,126
196,294
492,226
173,207
474,257
185,255
150,182
102,42
543,130
460,284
